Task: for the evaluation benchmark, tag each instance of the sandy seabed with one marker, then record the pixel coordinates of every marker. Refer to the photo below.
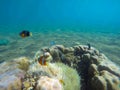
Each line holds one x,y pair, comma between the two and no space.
107,43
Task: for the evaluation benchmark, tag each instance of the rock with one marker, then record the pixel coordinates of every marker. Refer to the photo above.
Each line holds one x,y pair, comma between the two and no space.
107,77
110,67
97,52
68,50
78,51
83,48
86,58
11,80
56,54
98,83
112,81
10,83
92,71
95,59
47,83
11,75
23,63
60,47
91,52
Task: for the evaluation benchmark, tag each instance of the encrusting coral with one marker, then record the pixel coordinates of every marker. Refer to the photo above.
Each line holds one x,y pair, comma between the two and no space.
23,63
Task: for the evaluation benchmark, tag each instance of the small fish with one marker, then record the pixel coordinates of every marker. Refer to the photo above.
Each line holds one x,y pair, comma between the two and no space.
89,46
52,43
25,33
42,61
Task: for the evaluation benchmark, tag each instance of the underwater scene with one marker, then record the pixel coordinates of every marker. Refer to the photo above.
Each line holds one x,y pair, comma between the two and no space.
60,45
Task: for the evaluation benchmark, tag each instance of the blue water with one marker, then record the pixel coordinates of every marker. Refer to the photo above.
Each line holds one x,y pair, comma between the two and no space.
64,22
97,14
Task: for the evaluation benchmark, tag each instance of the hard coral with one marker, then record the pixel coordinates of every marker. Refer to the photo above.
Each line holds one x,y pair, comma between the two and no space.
47,83
23,63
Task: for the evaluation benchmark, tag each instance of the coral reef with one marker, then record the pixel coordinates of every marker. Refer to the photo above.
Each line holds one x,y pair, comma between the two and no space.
23,63
10,76
68,77
80,67
91,65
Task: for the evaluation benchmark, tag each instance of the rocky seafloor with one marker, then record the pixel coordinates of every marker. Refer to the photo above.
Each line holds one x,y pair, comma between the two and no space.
79,67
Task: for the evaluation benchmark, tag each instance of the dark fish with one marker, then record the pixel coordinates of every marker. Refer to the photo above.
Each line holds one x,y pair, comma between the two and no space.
89,46
25,33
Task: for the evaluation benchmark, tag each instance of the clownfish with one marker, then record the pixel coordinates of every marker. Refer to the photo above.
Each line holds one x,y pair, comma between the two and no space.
25,33
45,58
42,60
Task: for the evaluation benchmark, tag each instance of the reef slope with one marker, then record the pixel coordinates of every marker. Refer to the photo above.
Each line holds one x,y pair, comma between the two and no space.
84,65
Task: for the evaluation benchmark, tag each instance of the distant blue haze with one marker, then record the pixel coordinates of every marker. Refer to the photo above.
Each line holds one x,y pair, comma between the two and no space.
98,13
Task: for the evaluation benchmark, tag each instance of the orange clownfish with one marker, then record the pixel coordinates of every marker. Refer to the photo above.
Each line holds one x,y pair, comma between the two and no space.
25,33
42,61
